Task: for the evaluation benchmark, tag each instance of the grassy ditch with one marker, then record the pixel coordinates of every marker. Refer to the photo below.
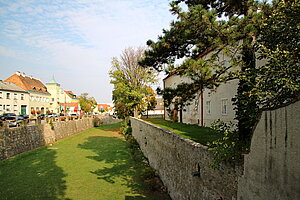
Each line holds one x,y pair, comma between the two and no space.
95,164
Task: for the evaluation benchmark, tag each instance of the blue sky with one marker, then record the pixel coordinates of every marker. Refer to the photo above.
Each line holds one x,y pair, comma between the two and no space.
75,39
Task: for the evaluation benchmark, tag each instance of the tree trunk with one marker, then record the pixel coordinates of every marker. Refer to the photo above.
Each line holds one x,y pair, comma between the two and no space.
135,112
247,109
202,115
180,115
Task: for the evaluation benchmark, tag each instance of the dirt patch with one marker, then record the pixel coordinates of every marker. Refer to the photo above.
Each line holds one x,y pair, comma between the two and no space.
113,129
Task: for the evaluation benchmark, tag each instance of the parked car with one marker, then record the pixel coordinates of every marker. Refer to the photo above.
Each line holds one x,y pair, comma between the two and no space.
41,116
6,115
51,115
20,117
14,121
25,116
74,115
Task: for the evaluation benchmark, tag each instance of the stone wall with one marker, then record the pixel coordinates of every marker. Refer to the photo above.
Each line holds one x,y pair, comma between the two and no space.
25,138
17,140
272,168
179,161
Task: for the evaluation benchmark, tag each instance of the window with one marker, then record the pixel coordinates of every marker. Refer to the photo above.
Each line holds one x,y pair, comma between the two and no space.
0,95
7,95
15,96
22,96
7,107
208,110
52,99
3,107
224,106
15,108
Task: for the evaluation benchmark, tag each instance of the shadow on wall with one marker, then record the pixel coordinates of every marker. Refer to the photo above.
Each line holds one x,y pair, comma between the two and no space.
29,177
114,151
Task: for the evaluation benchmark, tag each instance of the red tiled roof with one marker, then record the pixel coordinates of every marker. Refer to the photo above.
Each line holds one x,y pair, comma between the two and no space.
27,83
71,94
104,106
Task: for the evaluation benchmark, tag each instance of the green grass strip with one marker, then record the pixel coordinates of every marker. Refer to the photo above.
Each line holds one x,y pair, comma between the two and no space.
199,134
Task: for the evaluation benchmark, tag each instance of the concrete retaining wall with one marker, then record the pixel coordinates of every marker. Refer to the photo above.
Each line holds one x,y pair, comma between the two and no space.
272,168
176,159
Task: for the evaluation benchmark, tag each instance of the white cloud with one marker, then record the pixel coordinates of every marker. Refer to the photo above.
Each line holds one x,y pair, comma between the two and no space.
79,37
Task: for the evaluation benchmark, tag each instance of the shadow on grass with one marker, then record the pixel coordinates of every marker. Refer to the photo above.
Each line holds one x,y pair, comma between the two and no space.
33,176
124,169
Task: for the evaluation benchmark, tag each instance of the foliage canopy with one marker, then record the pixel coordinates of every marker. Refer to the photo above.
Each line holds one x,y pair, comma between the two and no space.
87,103
132,92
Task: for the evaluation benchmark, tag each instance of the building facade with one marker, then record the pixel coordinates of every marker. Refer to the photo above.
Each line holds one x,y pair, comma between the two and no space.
13,99
211,105
62,101
39,97
57,95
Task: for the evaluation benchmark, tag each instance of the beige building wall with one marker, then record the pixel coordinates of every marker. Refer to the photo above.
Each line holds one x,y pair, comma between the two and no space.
58,95
39,102
13,101
217,103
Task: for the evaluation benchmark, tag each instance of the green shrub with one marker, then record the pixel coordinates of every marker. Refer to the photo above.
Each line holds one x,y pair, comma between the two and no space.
51,124
228,148
126,128
97,122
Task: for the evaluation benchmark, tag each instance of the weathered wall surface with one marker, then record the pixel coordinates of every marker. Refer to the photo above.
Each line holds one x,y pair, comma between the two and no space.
25,138
176,159
64,129
272,168
17,140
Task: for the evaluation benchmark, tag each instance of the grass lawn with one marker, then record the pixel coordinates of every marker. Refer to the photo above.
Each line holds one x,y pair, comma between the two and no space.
196,133
95,164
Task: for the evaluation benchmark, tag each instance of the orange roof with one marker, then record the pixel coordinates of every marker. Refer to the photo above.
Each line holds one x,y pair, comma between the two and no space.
27,83
104,106
71,95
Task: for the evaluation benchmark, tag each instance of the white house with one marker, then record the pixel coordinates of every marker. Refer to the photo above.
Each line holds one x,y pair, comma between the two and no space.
212,105
13,99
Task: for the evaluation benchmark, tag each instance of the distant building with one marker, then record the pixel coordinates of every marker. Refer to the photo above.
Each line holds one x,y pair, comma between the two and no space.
105,107
57,95
71,97
70,108
13,99
61,101
159,108
39,100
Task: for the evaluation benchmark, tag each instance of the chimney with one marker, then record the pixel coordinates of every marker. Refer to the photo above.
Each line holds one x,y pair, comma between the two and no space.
18,73
30,76
23,74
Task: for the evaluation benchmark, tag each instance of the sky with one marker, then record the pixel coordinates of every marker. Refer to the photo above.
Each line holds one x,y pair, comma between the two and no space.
75,40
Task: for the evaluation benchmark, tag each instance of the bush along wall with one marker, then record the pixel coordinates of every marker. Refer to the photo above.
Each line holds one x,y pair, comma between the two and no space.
141,164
